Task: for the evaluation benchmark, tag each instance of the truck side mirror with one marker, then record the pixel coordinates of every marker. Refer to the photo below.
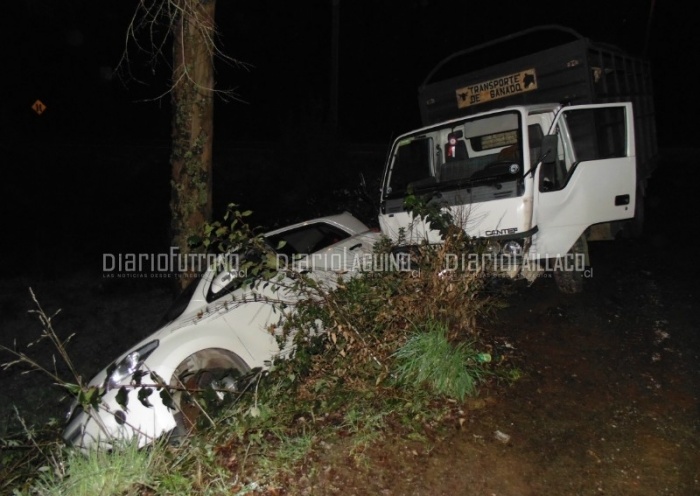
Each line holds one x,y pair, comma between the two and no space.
549,149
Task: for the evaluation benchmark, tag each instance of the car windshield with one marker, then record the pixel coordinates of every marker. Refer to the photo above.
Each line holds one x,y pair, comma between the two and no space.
232,272
307,239
235,269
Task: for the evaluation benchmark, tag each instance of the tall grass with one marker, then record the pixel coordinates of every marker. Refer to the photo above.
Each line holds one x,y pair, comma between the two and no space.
428,358
123,470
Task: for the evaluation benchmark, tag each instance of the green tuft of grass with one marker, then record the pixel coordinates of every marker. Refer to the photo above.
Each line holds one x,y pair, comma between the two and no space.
124,470
428,358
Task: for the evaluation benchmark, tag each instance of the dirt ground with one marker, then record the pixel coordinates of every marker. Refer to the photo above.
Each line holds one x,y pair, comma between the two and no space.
609,401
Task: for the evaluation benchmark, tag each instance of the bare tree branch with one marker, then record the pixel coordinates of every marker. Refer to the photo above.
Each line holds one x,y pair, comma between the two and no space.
151,28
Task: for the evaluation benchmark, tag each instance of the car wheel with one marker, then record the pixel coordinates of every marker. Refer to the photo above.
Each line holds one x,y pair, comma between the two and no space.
213,373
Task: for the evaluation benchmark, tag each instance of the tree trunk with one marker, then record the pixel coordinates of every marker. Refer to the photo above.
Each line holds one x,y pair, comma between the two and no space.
192,128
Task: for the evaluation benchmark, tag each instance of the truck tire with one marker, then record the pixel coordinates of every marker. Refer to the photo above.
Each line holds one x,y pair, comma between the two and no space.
571,281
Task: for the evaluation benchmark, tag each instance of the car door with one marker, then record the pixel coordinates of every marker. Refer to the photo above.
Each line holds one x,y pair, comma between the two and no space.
589,178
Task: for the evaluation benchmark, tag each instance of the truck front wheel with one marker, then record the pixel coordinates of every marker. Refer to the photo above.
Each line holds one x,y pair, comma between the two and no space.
567,276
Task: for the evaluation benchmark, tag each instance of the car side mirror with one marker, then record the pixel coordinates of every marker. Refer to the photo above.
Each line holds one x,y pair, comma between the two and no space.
549,149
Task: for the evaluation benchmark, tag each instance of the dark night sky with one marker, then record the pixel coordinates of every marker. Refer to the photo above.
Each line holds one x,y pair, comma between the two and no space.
66,169
63,54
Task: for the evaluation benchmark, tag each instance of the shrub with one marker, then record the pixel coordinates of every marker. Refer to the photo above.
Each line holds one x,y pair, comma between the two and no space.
428,358
376,352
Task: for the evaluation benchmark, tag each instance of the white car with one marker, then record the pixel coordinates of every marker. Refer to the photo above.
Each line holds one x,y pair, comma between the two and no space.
216,327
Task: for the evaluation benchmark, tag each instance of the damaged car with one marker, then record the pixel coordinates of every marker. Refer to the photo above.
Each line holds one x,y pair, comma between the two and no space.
218,330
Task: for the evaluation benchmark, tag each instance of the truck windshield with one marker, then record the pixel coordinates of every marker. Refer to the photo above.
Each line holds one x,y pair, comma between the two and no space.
463,154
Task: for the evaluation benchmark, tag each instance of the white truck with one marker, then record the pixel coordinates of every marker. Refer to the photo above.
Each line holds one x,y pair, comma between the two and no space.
535,156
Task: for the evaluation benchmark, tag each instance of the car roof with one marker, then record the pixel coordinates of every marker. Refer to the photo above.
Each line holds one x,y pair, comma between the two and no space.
345,221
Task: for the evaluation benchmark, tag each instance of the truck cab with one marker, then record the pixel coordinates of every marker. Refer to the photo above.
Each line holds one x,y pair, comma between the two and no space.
533,151
530,180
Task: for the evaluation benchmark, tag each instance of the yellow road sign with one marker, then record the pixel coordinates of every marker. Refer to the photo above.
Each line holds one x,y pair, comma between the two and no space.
38,107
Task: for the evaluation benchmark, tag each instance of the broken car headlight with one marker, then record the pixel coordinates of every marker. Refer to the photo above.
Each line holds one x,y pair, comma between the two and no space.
128,365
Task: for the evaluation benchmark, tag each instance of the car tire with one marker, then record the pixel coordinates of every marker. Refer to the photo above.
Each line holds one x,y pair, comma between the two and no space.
215,368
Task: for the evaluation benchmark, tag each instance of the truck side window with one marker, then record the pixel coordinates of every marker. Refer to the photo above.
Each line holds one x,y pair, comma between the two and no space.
535,136
597,133
411,164
553,174
584,135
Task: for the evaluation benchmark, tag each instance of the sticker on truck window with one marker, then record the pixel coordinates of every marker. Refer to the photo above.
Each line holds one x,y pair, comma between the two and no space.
500,87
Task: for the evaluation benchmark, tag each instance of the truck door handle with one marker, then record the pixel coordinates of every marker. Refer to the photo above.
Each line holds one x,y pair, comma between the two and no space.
622,200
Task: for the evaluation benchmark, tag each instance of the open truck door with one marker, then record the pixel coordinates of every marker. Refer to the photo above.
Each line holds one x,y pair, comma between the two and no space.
586,176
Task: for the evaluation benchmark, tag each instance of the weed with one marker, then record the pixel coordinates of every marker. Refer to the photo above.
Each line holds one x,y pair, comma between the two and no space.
428,358
383,353
125,469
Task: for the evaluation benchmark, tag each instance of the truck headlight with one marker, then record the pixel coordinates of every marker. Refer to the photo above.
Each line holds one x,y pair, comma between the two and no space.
492,247
128,365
